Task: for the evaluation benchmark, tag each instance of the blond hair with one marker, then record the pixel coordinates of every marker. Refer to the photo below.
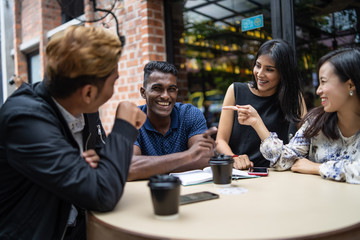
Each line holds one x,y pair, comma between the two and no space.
80,55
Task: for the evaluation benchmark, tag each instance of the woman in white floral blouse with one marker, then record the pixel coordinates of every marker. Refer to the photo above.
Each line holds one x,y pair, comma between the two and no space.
328,143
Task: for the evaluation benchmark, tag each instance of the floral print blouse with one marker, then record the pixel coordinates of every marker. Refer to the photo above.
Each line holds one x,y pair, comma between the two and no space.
340,158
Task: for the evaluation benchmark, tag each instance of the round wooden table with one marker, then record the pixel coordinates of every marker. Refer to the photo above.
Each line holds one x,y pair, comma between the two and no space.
284,205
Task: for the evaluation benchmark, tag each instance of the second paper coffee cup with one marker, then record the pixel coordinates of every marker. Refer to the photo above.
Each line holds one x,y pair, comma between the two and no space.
221,166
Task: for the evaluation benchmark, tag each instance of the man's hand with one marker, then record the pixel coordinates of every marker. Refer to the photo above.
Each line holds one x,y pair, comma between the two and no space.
129,112
202,147
211,131
91,158
18,81
304,165
242,162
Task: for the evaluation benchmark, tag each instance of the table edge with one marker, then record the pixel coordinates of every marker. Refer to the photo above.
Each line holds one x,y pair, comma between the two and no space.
349,232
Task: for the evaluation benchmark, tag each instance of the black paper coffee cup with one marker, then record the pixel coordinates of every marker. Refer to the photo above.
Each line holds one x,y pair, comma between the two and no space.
165,195
221,166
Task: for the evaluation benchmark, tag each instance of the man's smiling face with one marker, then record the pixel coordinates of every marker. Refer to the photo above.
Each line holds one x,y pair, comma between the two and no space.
160,94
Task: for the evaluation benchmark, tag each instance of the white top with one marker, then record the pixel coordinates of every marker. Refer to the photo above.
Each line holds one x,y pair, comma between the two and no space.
75,123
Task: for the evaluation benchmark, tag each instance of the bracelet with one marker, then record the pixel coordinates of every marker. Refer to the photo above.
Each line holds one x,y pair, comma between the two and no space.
234,156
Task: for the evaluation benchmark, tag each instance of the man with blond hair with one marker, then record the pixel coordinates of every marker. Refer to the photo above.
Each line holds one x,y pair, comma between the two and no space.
55,162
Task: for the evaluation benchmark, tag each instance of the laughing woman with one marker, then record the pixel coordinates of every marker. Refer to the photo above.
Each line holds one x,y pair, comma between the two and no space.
274,92
328,143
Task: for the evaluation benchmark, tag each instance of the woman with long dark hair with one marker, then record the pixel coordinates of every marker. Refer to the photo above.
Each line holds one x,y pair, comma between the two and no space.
328,142
274,92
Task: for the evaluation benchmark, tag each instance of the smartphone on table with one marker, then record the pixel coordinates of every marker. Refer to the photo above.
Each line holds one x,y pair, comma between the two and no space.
259,171
197,197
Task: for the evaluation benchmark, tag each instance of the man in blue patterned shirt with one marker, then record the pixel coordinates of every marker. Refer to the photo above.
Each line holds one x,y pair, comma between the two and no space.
174,137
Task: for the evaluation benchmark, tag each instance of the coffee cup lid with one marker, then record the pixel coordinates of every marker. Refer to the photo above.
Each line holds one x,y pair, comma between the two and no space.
221,159
163,181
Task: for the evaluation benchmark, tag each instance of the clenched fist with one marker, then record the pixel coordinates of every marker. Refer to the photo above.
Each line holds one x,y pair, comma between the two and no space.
129,112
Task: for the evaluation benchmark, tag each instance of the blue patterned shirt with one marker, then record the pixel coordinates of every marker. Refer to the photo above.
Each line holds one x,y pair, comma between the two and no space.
186,121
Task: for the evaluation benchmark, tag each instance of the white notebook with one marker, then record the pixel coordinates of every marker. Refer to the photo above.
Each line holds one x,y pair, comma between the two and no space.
201,176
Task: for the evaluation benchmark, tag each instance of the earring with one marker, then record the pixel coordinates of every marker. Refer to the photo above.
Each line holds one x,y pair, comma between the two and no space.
351,93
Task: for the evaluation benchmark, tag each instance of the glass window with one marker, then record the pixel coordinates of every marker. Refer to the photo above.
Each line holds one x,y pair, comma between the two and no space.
34,69
322,26
217,51
71,9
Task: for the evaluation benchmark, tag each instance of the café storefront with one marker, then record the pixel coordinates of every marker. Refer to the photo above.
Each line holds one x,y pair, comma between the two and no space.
214,42
211,42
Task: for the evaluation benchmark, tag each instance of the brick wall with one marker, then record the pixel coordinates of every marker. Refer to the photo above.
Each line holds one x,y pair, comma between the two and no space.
30,17
140,21
50,18
19,58
143,26
32,20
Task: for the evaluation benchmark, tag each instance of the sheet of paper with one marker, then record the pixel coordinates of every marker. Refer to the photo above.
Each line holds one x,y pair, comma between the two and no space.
235,172
193,177
205,175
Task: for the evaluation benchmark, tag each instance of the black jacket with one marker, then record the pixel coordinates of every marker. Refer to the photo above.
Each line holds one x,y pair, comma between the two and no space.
42,172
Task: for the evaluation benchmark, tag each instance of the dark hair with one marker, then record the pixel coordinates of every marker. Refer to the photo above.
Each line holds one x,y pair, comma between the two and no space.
288,90
160,66
346,64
